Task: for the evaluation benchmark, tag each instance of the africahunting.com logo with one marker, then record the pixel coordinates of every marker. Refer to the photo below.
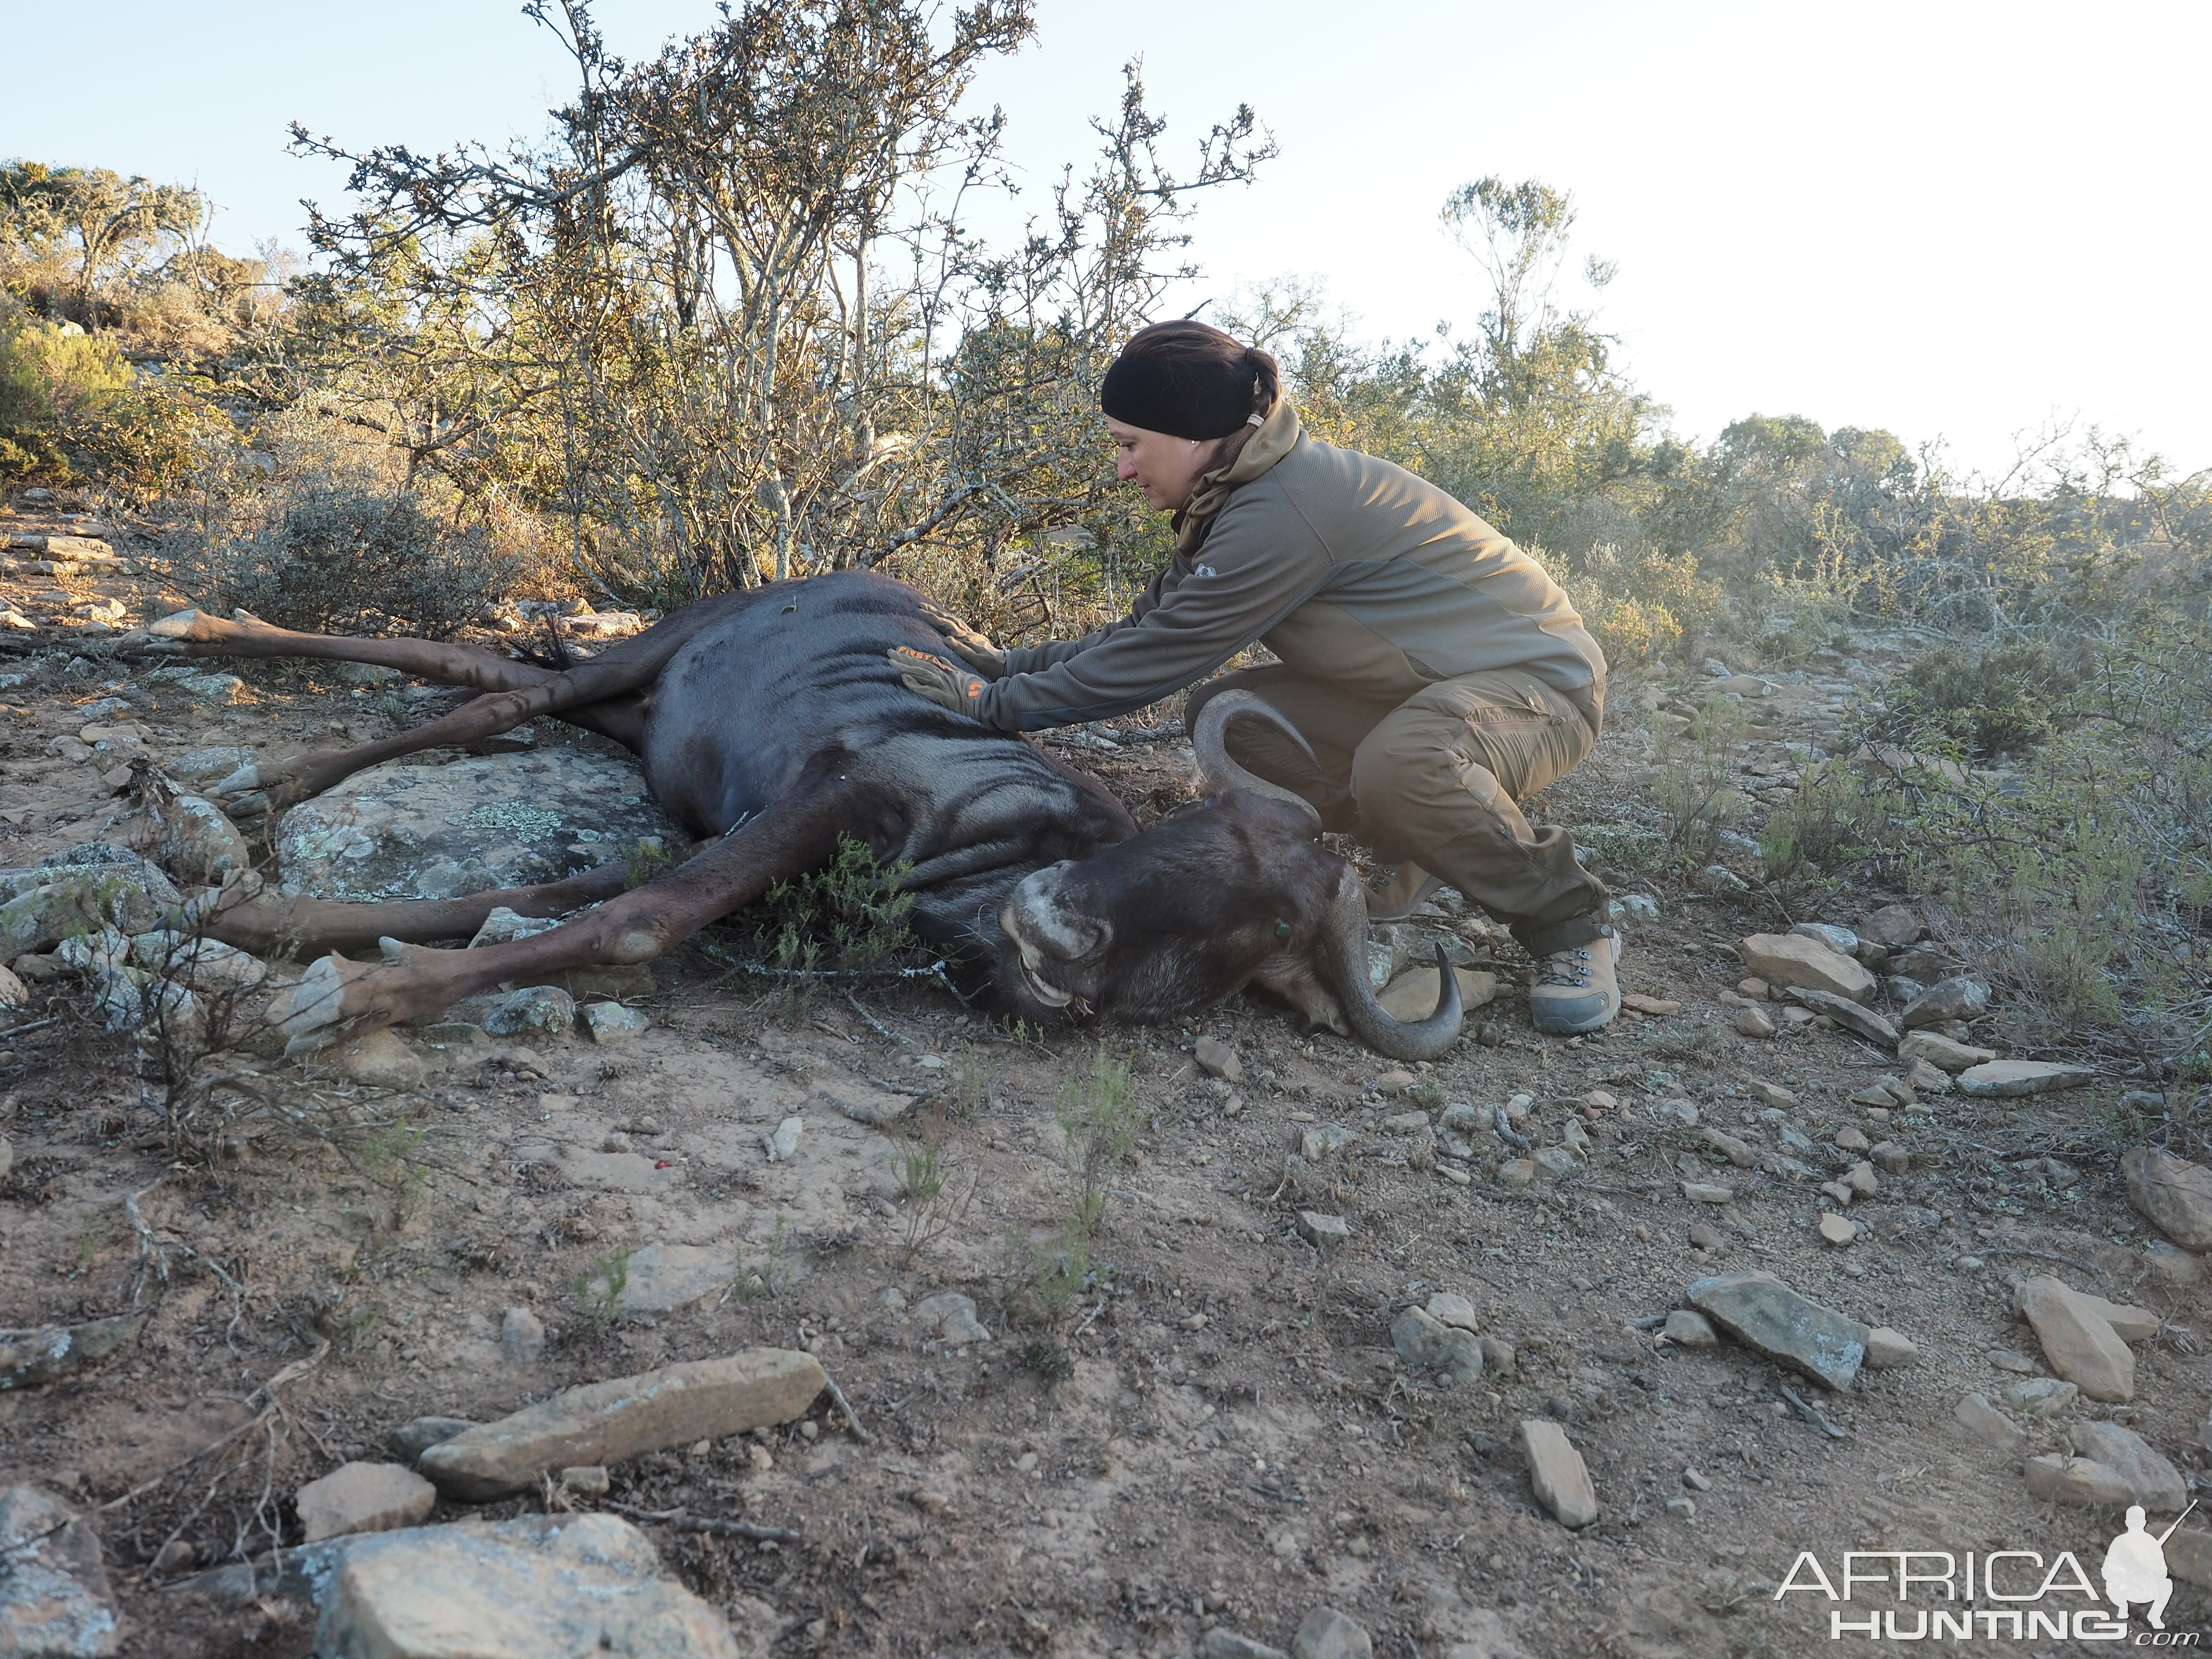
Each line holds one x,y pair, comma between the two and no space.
2005,1596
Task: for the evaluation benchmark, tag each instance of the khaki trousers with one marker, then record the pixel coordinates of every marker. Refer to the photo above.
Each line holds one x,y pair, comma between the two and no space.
1436,780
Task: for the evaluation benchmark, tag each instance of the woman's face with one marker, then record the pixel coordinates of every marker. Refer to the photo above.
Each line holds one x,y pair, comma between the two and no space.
1165,468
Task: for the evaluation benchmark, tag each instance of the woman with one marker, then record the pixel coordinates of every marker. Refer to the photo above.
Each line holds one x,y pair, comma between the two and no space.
1436,673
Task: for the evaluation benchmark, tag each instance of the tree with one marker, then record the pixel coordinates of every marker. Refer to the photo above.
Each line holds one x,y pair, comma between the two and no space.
107,226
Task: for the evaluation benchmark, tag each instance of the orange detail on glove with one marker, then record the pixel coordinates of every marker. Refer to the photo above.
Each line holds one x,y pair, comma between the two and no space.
957,689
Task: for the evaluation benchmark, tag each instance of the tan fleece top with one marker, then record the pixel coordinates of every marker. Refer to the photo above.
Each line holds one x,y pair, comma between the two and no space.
1351,569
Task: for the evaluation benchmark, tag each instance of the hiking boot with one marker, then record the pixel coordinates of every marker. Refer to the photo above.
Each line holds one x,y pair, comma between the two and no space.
1408,888
1578,989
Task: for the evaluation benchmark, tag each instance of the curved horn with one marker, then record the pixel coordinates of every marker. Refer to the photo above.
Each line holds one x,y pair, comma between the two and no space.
1209,742
1344,964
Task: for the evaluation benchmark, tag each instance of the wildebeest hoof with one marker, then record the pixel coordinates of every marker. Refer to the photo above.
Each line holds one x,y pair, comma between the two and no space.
334,1002
180,625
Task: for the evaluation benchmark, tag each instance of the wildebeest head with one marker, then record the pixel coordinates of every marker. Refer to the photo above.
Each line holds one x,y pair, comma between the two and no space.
1231,889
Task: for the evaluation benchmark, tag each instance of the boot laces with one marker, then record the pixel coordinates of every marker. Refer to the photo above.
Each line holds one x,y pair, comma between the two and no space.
1571,967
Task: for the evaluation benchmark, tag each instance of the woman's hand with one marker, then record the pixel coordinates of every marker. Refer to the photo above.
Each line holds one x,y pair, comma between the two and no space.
977,647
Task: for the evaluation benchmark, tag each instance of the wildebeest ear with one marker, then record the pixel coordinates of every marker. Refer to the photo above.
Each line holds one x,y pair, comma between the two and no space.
1209,742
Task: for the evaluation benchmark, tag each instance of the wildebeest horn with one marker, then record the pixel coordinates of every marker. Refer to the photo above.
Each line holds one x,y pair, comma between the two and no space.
1344,965
1208,741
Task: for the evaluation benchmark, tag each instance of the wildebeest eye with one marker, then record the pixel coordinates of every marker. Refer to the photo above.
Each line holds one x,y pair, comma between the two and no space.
1282,930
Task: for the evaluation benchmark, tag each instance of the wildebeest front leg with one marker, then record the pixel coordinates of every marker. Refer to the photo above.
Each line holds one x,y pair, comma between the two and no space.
339,1000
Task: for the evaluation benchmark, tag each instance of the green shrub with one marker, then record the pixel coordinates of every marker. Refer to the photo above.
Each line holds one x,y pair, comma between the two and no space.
2000,701
351,558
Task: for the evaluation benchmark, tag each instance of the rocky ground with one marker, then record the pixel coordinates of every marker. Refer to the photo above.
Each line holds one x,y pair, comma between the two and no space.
1548,1348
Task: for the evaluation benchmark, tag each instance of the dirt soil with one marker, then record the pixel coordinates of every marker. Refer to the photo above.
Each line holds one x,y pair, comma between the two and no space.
1213,1429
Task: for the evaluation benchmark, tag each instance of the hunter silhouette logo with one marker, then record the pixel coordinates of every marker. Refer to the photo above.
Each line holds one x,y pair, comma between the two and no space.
2135,1567
2006,1594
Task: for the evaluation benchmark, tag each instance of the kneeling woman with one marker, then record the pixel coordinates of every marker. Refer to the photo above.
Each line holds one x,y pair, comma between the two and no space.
1437,673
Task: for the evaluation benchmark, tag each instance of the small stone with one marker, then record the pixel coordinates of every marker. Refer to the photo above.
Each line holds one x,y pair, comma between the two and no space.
1838,1228
1941,1052
624,1417
542,1585
2173,1194
1325,1633
1704,1238
1955,997
1515,1175
585,1481
381,1060
1791,959
2041,1397
667,1279
1707,1192
1556,1472
2005,1080
1891,1156
1221,1643
1555,1162
1986,1423
1217,1059
535,1010
417,1435
1658,1007
174,1557
1324,1231
1888,1349
1926,1079
2151,1480
1775,1095
1754,988
1320,1141
1850,1140
363,1498
2080,1344
14,993
610,1022
1753,1023
1682,1508
1676,1111
1394,1082
1841,1194
1406,1123
1448,1308
2171,1265
1864,1021
1500,1356
1737,1151
1770,1318
954,1316
1894,927
521,1337
2011,1359
783,1145
54,1597
46,1353
1686,1328
1862,1180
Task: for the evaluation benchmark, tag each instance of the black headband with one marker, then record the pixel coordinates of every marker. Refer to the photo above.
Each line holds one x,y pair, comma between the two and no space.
1183,399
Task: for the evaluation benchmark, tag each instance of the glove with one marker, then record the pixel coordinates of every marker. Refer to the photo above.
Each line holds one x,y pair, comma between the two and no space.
965,641
933,677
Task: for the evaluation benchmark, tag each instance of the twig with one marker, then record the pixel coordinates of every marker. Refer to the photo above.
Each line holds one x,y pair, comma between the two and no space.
845,1406
1648,1322
1811,1414
684,1523
877,1025
1280,1496
18,1031
2042,1256
1087,1318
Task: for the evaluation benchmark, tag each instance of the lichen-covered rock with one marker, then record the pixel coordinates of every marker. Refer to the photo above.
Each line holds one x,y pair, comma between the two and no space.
54,1599
2173,1194
486,822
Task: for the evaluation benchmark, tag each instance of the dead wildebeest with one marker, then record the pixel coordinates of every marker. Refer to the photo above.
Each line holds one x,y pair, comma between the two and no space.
771,721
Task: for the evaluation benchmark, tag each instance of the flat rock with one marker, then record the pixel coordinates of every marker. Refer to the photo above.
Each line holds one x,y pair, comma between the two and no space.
1322,1229
1221,1642
954,1316
1956,997
544,1010
381,1060
2079,1342
1894,926
1754,1023
54,1599
606,1422
1658,1007
1793,959
1838,1228
1449,1308
2173,1194
1846,1013
1986,1423
1737,1153
543,1588
2075,1480
1411,996
1422,1340
1556,1472
403,831
418,1434
2004,1079
521,1338
610,1022
1889,1350
1686,1328
44,1353
363,1498
1217,1059
2129,1323
1774,1095
2041,1397
129,896
1325,1633
2151,1480
664,1279
195,841
1770,1318
1708,1192
1945,1053
1840,940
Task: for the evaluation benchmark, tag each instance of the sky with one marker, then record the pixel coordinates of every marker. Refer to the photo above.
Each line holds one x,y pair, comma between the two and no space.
1963,222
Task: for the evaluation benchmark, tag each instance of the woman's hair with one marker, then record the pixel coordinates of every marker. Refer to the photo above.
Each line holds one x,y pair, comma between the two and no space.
1189,379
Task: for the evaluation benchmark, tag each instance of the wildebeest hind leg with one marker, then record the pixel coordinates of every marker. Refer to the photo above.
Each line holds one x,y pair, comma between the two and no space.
339,1000
514,692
